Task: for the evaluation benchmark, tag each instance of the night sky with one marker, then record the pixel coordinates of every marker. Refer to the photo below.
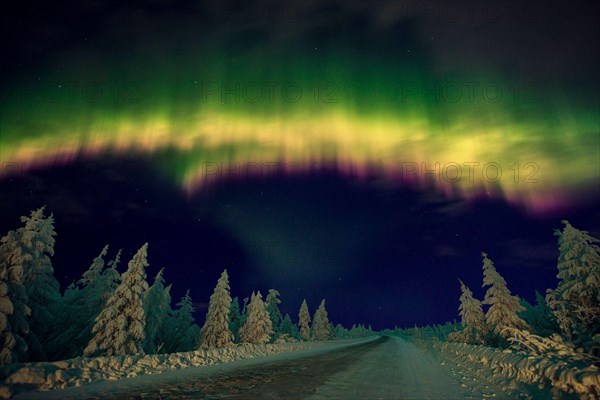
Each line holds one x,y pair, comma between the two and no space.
296,143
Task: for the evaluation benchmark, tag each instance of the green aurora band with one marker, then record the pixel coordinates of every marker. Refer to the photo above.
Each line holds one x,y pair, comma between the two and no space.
204,119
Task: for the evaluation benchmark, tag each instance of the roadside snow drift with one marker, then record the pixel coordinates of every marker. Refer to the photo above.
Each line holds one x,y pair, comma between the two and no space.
562,375
17,378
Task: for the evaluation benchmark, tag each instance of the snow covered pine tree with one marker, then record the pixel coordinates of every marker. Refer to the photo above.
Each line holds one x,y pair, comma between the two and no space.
157,305
14,309
471,315
215,332
180,333
576,300
304,321
258,327
77,310
31,287
236,320
322,329
503,305
119,329
37,239
272,303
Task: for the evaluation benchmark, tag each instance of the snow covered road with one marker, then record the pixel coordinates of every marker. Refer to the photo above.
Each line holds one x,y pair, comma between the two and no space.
383,368
395,369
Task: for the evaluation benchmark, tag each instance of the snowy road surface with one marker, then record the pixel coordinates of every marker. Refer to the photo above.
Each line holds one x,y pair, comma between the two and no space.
384,368
395,369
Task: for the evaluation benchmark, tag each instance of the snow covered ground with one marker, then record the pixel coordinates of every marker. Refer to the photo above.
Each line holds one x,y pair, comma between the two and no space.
373,368
395,370
90,377
520,374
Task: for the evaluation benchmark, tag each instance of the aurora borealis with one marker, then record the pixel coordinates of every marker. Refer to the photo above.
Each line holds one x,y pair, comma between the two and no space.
209,113
475,102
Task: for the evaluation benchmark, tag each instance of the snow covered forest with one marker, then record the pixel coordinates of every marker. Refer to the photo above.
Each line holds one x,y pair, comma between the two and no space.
554,344
568,317
121,325
112,310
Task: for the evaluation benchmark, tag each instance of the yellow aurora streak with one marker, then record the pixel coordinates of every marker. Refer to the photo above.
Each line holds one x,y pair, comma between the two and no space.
462,160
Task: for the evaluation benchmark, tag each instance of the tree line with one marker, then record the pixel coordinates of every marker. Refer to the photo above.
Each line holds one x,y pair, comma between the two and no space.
569,313
109,313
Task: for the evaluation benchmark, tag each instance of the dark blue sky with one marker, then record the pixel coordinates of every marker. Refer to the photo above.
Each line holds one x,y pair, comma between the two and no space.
383,257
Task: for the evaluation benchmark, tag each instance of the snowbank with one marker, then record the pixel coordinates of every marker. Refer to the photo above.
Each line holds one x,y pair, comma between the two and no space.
17,378
574,377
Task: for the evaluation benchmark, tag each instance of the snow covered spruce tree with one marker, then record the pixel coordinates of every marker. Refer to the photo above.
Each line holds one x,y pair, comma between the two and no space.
157,306
77,311
272,302
31,285
119,329
471,314
339,332
92,276
110,278
215,332
576,299
503,305
322,329
180,333
288,328
258,327
359,331
6,309
14,310
540,317
236,320
37,239
304,321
